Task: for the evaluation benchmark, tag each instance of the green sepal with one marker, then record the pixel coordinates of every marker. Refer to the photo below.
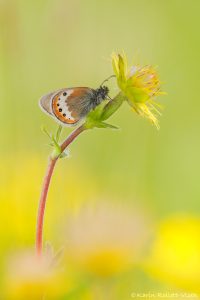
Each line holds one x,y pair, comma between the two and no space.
94,117
102,112
122,68
105,125
112,106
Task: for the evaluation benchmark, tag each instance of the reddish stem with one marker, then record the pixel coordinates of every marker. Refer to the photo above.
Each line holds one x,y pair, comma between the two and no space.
45,188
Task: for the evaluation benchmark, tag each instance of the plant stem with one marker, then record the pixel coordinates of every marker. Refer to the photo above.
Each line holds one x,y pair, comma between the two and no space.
45,188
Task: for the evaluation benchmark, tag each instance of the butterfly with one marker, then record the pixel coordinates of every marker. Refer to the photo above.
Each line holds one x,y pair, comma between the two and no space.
68,106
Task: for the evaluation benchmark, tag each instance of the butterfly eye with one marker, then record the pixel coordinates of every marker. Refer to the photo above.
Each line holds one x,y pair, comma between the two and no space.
64,94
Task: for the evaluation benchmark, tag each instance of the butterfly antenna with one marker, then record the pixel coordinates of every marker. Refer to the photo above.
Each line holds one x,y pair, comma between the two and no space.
109,98
112,76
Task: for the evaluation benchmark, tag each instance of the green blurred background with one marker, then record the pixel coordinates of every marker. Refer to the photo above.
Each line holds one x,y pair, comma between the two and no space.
47,45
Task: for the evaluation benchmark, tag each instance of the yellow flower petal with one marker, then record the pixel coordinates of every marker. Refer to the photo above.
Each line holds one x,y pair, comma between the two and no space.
140,85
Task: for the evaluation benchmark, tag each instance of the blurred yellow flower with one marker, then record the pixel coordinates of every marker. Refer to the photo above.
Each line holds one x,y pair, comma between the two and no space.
19,195
175,255
105,240
140,85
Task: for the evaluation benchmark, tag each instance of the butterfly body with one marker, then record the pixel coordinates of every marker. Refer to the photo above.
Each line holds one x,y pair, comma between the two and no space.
68,106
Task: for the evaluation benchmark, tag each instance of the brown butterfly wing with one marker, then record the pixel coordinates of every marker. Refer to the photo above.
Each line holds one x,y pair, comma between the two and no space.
69,106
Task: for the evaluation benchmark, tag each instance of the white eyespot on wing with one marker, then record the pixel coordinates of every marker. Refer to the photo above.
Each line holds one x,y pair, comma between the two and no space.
45,102
55,105
62,104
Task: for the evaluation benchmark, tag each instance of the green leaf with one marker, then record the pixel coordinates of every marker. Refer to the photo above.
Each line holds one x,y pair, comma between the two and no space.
57,152
58,133
57,149
44,130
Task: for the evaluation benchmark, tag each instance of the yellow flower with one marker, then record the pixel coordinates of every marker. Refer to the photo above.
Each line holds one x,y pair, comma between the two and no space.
175,254
140,85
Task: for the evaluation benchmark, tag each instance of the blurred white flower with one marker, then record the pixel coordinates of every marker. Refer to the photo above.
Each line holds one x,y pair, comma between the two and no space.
107,239
29,278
